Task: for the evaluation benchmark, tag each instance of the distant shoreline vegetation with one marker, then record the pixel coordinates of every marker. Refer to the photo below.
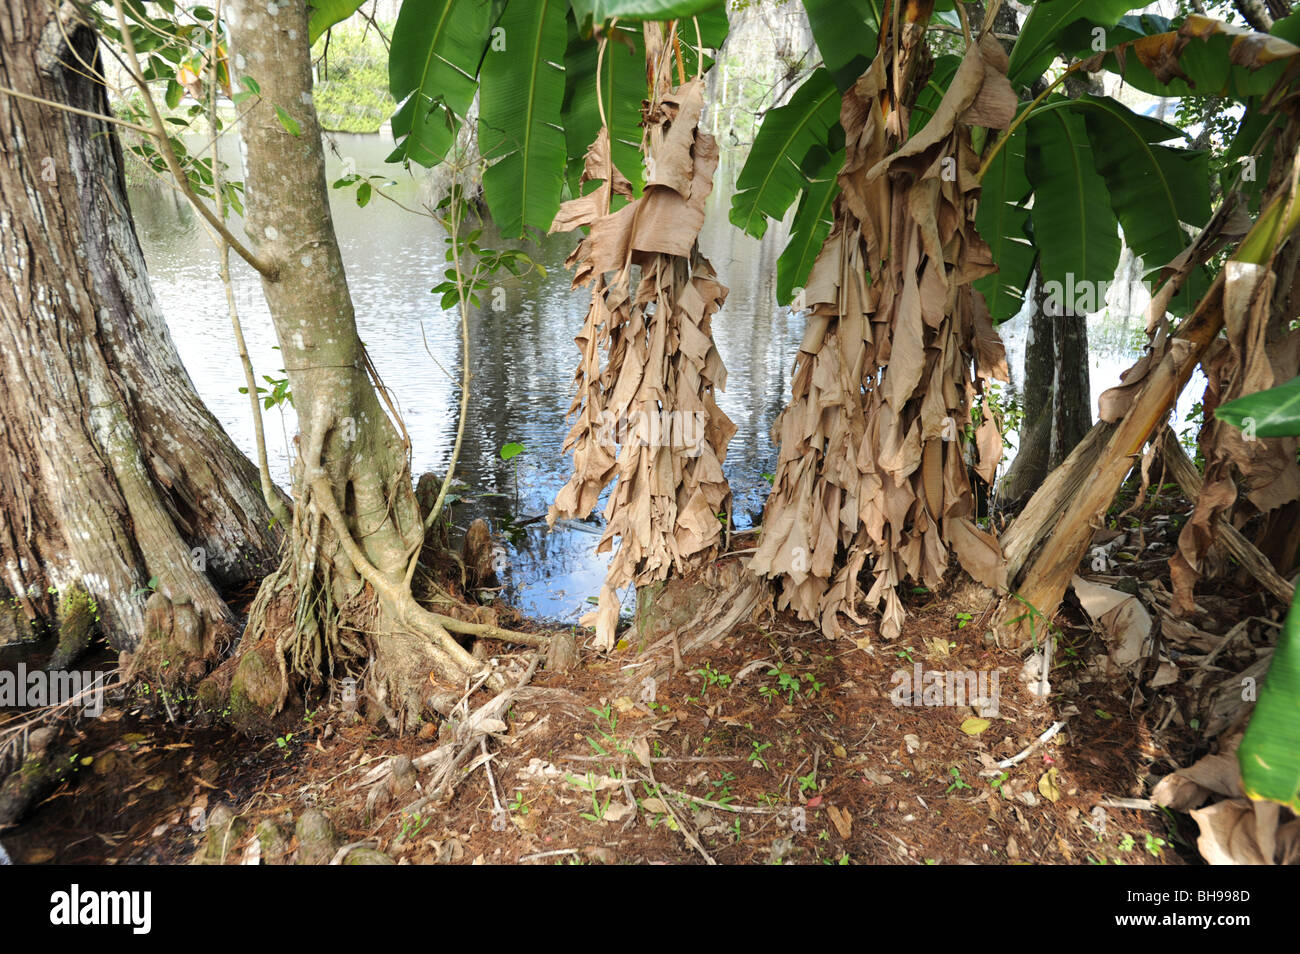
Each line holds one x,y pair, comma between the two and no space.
351,89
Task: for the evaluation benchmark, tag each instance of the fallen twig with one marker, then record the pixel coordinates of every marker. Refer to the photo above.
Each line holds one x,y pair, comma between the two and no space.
492,782
442,780
1136,804
680,823
1024,754
739,809
1213,654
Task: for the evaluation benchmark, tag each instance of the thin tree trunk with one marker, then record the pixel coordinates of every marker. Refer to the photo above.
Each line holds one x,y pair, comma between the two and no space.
1031,463
112,471
1072,395
344,590
1057,397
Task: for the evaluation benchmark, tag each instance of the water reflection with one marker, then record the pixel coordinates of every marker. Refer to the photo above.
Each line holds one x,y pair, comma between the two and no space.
523,357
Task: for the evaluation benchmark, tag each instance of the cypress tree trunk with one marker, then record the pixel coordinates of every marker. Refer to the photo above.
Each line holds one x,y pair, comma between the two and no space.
1072,397
112,471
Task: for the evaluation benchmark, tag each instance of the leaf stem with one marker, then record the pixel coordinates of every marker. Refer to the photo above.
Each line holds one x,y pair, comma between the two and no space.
1011,130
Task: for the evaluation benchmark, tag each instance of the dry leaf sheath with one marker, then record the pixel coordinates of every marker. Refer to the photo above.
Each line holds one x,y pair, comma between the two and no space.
648,416
872,472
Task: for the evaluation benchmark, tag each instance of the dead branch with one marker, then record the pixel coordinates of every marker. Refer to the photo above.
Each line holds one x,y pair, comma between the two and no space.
1229,537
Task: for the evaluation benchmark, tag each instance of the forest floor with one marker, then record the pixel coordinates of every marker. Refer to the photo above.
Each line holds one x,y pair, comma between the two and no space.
776,745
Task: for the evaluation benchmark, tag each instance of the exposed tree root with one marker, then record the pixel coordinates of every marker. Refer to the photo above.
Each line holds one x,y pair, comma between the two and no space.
395,599
469,731
321,618
488,631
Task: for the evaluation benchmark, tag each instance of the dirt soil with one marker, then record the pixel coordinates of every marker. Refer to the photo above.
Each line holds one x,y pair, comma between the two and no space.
777,746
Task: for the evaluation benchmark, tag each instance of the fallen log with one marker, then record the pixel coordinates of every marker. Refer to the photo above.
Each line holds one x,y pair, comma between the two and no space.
1048,571
1048,502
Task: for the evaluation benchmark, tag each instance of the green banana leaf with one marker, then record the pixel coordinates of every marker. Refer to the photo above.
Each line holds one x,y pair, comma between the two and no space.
622,88
1271,413
1075,229
326,13
1002,220
433,66
845,33
812,223
1152,187
1037,46
521,102
772,177
1207,66
600,11
1269,754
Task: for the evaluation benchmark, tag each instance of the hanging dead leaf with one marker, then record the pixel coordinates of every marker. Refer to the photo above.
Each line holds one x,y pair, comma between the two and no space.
647,420
871,471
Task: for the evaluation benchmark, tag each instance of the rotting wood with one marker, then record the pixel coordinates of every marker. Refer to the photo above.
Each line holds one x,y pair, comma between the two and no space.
1229,537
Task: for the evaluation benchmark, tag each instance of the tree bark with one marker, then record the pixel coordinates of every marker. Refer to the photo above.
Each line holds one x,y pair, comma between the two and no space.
357,526
1057,398
1030,466
1256,13
112,471
1072,396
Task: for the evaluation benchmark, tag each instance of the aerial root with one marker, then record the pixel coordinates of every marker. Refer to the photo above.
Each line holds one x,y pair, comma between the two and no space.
488,631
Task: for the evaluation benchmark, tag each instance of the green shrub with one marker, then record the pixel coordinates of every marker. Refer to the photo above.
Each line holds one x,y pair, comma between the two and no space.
351,92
